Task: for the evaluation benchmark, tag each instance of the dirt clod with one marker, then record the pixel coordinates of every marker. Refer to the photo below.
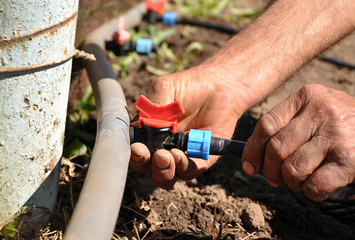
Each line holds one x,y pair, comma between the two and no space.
253,217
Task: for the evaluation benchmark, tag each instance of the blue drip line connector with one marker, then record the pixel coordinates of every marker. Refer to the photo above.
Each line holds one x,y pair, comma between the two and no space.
144,46
169,19
198,144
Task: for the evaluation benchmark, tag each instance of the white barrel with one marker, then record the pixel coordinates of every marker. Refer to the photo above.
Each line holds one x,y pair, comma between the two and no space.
36,47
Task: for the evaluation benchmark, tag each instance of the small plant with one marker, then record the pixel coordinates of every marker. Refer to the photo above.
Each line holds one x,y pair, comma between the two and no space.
218,228
122,63
223,10
84,106
76,136
188,31
170,63
9,230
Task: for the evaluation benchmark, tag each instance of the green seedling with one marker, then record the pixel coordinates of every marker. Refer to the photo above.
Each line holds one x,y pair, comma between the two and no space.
83,107
157,35
224,10
201,9
157,71
188,31
170,63
86,104
76,147
122,63
9,229
166,54
240,15
73,144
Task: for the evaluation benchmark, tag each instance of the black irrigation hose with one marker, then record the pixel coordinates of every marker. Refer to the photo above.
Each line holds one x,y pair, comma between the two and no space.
339,63
96,211
98,206
230,30
219,27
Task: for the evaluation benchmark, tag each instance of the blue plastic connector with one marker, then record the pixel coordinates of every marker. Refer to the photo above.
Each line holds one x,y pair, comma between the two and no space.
198,144
169,18
144,46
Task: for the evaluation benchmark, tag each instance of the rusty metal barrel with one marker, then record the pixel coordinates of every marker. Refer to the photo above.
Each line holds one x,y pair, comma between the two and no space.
36,48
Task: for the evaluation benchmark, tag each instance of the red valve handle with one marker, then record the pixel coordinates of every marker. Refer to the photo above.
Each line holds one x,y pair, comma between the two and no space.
157,6
158,116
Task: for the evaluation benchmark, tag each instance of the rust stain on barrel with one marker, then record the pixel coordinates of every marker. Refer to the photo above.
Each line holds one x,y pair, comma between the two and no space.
24,48
51,29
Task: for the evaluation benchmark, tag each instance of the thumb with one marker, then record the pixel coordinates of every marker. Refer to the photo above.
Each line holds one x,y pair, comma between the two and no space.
161,90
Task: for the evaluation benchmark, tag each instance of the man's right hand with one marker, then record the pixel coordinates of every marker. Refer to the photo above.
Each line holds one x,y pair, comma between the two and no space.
208,103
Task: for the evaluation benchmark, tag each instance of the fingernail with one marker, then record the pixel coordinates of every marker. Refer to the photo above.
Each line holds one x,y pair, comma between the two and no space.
177,158
136,158
162,163
248,167
272,184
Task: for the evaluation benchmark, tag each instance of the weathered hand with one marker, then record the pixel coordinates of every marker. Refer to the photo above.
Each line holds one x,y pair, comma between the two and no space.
208,105
307,141
243,72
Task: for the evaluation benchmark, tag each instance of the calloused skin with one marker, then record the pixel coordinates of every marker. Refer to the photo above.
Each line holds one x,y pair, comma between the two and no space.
307,142
203,110
243,72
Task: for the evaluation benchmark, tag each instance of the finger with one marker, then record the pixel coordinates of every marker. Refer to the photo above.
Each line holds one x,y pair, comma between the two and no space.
189,168
140,157
302,163
160,90
163,169
266,128
326,179
285,142
181,162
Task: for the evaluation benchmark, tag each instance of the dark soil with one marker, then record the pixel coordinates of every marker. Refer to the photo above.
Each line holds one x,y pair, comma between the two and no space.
222,203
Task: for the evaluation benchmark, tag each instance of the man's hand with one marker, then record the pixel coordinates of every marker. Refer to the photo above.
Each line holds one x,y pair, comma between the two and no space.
243,72
307,142
208,103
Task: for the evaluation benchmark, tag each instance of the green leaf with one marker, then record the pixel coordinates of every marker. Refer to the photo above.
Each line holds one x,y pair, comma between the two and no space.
76,147
165,52
187,31
9,230
161,35
156,71
87,102
85,106
219,7
243,11
193,48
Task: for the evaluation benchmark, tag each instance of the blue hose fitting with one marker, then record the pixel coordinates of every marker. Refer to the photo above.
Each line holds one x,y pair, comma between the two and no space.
198,144
169,18
144,46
